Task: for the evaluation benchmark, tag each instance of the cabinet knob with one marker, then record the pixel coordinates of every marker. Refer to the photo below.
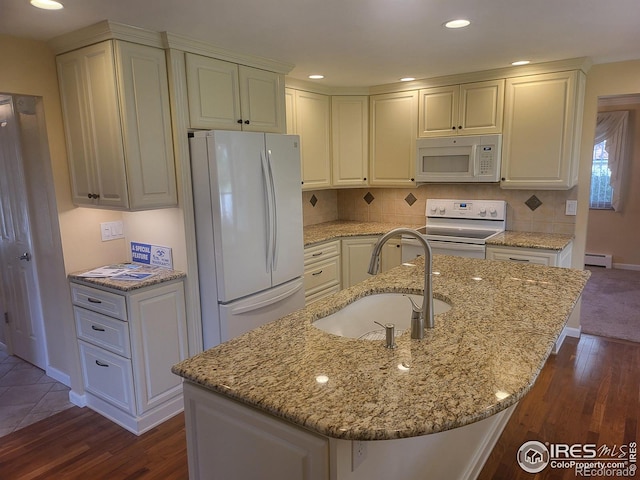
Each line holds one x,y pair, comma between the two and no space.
93,195
503,179
246,122
240,121
459,127
453,128
364,178
413,179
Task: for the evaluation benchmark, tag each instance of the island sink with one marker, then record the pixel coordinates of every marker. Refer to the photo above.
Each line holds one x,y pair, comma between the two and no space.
356,320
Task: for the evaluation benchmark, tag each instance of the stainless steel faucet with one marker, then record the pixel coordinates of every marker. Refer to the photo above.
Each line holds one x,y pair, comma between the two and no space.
421,317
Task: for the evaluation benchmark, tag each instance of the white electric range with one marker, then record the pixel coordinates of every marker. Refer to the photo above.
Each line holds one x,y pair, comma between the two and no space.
458,227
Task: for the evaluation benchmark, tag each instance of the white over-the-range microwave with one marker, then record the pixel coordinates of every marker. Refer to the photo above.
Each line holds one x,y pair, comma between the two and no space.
459,159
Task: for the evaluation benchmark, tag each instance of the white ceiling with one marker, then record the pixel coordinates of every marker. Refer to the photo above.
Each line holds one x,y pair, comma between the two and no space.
366,42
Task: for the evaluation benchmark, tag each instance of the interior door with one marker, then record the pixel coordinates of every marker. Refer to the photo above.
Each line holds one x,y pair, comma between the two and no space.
19,274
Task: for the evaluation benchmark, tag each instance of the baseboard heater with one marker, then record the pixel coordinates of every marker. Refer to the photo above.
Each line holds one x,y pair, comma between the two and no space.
597,260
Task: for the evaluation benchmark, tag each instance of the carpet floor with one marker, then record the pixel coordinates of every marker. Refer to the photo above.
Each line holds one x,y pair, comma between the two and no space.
611,304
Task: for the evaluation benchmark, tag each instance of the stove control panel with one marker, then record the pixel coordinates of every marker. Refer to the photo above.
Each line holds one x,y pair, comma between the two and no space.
471,209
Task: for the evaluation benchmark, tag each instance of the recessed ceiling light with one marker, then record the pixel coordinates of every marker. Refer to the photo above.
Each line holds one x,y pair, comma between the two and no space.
460,23
316,77
520,62
407,79
47,4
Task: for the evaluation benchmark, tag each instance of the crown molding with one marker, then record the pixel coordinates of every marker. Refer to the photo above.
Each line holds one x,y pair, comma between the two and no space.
616,100
583,64
316,87
192,45
104,30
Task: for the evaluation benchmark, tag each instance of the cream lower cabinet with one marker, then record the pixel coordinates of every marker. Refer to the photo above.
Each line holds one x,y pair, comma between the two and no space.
309,115
538,256
356,255
467,109
227,439
542,131
224,95
117,121
393,126
128,343
321,270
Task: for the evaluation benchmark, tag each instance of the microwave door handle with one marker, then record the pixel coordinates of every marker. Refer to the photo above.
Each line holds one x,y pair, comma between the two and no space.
474,155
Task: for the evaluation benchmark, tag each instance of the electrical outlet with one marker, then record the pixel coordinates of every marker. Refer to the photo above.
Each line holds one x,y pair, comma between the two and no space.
571,207
358,453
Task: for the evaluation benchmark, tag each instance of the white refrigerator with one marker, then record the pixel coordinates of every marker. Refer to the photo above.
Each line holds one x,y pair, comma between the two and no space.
248,210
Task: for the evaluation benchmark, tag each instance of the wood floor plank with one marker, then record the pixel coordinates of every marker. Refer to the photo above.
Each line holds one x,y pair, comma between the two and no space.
588,393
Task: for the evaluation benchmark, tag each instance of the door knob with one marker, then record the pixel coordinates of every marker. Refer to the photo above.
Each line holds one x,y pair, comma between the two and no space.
25,256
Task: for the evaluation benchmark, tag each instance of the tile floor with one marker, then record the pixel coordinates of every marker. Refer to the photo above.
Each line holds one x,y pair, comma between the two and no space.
27,394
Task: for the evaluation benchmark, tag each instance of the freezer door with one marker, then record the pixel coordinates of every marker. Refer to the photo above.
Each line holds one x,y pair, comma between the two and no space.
239,213
283,155
248,313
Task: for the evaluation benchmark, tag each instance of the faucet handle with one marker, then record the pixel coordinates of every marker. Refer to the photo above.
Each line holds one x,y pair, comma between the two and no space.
414,306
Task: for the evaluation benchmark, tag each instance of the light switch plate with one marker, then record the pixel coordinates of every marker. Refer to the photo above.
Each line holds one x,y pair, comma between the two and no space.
111,230
571,207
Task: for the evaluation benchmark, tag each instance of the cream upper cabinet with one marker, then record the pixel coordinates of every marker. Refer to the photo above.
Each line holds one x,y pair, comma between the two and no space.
393,121
467,109
224,95
115,105
543,120
310,117
349,140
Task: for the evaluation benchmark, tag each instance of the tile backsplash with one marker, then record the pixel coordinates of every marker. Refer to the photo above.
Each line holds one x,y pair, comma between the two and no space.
407,205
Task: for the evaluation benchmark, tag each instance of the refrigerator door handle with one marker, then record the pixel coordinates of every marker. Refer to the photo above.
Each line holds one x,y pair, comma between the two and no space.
274,215
265,303
268,201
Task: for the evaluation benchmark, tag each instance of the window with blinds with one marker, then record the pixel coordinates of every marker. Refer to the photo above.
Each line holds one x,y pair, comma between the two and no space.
601,190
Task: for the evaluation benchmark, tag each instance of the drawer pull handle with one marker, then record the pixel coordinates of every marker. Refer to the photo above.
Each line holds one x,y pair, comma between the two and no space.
317,254
94,300
97,329
519,259
100,364
316,273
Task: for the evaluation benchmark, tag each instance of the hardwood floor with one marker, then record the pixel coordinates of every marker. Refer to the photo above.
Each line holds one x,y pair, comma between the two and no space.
588,393
81,444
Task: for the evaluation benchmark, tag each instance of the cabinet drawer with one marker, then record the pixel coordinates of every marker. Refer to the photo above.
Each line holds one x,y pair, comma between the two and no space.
321,252
103,331
99,301
107,376
322,275
522,256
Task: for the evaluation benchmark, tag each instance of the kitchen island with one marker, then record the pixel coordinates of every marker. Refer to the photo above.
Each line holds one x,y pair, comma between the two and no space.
481,358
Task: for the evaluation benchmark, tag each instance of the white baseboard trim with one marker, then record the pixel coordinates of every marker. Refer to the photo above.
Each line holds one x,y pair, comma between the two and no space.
58,375
573,332
626,266
79,400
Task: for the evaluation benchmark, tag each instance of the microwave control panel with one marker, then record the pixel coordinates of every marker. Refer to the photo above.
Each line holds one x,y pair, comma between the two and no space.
487,160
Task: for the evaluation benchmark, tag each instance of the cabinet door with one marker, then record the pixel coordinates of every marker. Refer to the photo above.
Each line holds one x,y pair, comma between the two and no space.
213,92
350,140
312,124
356,255
220,432
481,108
543,115
261,100
393,127
391,255
92,126
158,341
146,124
438,111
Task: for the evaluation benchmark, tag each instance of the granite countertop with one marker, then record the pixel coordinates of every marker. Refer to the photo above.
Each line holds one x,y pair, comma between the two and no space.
160,275
546,241
482,356
323,232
